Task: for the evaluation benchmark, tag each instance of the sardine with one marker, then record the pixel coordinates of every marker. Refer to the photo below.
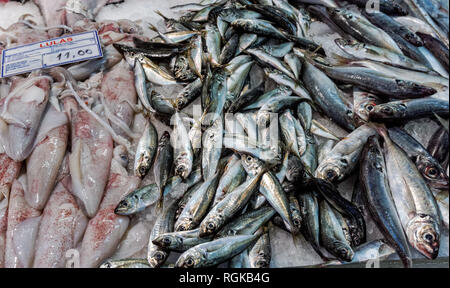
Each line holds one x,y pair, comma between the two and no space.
377,194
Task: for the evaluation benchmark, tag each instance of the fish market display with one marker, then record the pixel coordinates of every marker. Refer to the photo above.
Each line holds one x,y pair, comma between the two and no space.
221,133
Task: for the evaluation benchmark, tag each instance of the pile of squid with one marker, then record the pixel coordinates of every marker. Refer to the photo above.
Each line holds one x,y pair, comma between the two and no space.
243,89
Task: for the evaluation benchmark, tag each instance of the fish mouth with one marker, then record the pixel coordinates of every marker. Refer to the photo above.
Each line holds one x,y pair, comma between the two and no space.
119,210
440,185
431,251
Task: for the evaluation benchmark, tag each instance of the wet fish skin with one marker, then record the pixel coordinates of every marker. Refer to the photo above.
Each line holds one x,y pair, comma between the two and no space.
163,162
157,256
364,51
188,94
233,202
279,50
360,28
355,218
229,49
213,44
126,263
231,179
215,252
295,211
260,254
259,27
331,234
377,196
414,201
246,98
433,173
438,146
182,71
270,188
344,156
247,223
195,55
363,103
269,60
278,15
409,109
390,7
183,153
377,83
145,151
180,241
324,92
212,148
198,205
439,50
387,23
294,64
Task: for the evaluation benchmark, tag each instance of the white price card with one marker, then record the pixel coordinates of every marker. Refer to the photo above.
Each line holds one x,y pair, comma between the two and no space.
54,52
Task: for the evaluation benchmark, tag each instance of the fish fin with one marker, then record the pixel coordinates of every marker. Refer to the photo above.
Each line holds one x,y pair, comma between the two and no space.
340,60
161,15
161,199
153,28
442,121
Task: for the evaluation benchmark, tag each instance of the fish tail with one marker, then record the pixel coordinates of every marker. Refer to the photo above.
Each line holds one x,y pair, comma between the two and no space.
340,60
161,198
160,14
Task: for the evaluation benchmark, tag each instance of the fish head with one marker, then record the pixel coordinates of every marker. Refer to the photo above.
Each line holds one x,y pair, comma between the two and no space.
192,258
424,235
252,165
165,138
184,224
343,251
388,111
143,164
346,43
332,169
295,169
127,205
210,225
433,173
262,260
183,167
167,240
363,108
180,102
341,13
263,118
157,258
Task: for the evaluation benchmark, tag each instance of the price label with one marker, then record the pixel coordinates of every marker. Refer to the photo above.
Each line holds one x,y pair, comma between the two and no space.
54,52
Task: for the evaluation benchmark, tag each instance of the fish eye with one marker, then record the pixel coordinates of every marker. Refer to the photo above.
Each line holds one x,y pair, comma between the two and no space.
125,204
261,264
142,170
159,256
210,226
166,240
331,174
428,237
249,158
296,222
431,172
369,107
189,262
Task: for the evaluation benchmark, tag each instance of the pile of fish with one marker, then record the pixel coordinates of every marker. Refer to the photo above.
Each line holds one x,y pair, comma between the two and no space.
244,148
